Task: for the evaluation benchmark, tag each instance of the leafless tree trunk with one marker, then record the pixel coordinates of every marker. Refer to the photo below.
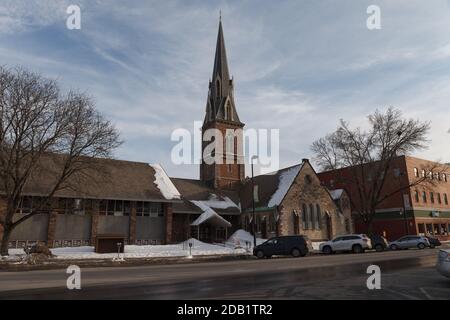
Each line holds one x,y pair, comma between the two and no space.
37,121
369,156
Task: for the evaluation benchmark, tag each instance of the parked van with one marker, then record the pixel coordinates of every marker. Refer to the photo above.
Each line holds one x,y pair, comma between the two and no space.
296,246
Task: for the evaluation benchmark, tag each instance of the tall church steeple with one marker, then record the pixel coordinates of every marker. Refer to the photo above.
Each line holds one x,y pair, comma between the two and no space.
221,114
220,104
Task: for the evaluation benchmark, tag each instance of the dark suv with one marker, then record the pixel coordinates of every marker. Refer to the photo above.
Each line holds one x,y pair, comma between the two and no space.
379,243
297,246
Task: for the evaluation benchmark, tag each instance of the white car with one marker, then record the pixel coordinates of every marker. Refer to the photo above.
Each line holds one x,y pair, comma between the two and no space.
357,243
443,263
408,242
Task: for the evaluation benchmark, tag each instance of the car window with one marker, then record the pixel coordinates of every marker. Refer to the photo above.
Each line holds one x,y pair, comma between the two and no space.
403,239
337,239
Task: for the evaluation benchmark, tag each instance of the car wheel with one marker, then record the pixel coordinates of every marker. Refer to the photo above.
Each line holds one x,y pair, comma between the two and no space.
393,247
259,254
327,250
379,248
421,246
357,248
296,253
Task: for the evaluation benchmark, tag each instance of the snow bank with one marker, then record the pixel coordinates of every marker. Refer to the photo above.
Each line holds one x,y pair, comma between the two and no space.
285,181
132,251
164,184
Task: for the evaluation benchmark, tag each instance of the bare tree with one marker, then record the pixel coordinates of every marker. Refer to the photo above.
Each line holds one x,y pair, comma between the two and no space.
38,122
369,156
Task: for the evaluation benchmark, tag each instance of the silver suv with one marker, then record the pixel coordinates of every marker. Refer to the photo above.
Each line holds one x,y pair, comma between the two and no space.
408,242
357,243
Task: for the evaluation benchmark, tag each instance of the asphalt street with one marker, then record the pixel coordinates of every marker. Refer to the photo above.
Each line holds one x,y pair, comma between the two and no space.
404,275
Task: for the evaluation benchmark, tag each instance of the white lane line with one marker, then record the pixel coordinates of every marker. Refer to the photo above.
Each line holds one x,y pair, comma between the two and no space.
426,293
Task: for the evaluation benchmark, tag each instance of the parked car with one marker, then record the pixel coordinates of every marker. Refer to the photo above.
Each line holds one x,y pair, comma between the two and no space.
297,246
379,243
443,264
408,242
433,242
356,243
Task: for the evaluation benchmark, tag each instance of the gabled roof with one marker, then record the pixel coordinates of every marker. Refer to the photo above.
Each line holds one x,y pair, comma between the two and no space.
271,188
336,194
105,179
198,196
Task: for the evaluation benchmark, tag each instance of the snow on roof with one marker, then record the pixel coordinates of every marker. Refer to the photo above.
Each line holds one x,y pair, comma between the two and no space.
208,215
215,202
164,184
285,181
336,194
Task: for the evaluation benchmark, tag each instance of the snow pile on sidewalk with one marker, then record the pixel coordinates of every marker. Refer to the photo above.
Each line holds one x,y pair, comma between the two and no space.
242,238
157,251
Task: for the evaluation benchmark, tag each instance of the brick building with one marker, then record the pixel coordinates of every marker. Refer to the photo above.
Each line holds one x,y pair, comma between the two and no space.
421,209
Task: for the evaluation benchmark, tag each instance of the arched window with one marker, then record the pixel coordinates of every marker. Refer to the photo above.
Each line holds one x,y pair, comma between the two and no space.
296,222
311,219
416,196
229,143
318,217
218,88
416,172
305,217
444,177
228,113
423,173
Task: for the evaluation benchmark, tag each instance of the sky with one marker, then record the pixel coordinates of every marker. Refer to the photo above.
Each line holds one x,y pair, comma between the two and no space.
298,66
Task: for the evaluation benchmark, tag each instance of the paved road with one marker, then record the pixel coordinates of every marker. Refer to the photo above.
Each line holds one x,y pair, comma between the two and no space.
317,277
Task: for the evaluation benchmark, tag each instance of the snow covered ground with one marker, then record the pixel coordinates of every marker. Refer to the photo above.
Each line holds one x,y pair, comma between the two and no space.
173,250
240,242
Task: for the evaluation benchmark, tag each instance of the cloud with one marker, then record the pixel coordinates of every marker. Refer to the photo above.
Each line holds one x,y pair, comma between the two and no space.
298,66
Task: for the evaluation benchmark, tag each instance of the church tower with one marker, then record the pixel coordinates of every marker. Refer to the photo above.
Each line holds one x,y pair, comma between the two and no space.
221,114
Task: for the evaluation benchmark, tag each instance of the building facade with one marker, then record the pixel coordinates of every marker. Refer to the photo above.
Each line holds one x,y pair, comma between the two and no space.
141,203
130,199
421,209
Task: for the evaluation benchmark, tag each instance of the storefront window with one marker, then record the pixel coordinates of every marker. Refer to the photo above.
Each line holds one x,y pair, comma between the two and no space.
430,229
421,228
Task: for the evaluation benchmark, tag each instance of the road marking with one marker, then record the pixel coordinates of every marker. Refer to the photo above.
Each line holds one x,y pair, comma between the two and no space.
426,294
410,297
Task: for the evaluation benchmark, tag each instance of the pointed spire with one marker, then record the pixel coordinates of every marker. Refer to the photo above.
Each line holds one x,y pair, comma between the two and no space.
220,61
220,104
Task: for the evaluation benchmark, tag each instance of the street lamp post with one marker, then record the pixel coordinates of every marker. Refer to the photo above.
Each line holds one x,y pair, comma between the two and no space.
253,204
405,219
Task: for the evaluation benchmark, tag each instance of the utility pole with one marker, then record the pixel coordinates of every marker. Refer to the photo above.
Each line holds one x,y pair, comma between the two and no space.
253,204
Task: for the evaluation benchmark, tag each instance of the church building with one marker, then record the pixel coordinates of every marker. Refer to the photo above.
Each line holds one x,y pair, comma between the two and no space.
144,205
